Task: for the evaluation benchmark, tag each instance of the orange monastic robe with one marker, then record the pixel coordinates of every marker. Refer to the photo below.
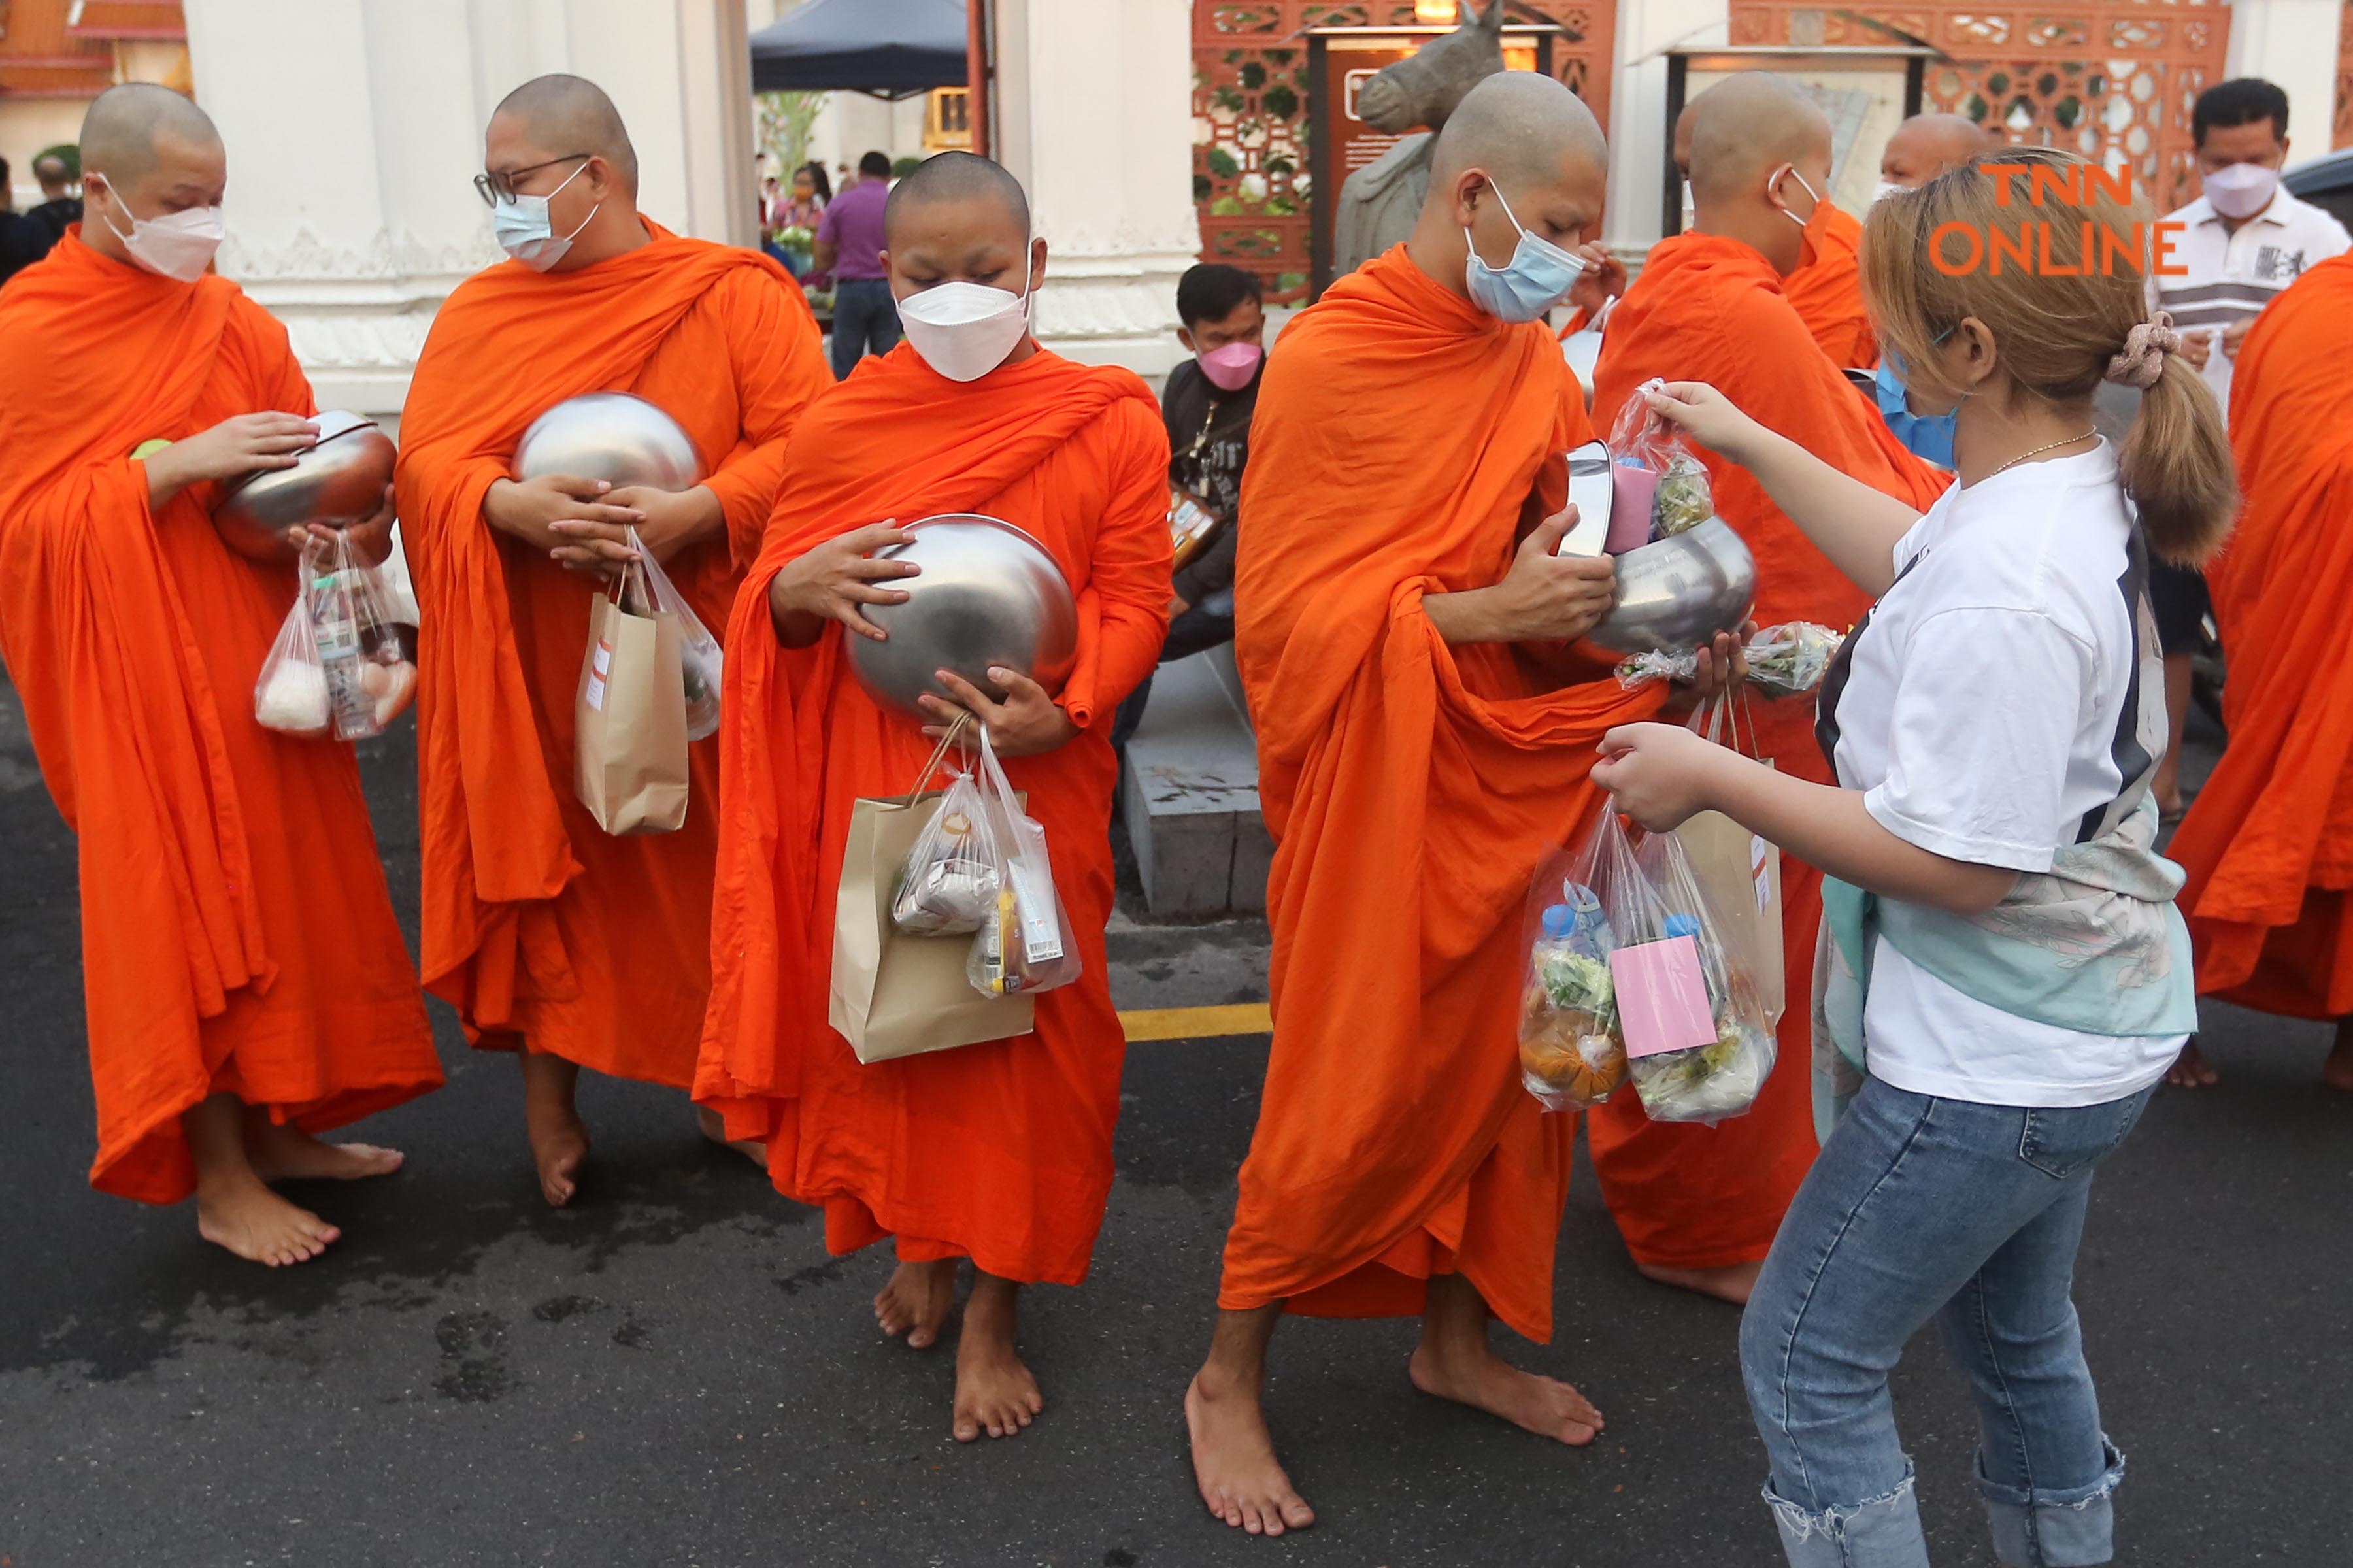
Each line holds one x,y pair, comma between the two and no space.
999,1151
2269,842
1710,309
537,924
236,933
1828,294
1404,441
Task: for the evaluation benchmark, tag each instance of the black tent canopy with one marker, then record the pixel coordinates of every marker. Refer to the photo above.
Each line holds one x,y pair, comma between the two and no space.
892,49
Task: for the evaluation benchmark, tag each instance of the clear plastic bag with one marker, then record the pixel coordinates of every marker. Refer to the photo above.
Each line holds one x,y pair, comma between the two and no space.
1572,1052
949,884
698,658
1787,660
1722,1077
1027,944
370,682
289,695
1660,473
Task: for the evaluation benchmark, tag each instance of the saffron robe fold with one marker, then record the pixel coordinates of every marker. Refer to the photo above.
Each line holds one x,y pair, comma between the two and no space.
1827,293
1404,440
2268,845
237,935
539,925
1001,1151
1710,309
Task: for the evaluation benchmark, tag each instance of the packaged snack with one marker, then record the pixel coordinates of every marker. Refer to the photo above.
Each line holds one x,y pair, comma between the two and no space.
1787,660
1730,1053
289,695
1664,485
700,662
1027,944
949,884
1191,524
369,681
1571,1052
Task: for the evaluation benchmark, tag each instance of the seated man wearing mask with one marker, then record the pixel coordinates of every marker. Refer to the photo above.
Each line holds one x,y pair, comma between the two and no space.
1424,736
245,980
1698,1205
1922,148
1207,402
999,1151
552,938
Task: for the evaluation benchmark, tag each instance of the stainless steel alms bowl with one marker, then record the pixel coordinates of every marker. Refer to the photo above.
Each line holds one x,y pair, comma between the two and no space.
1679,592
339,478
617,436
988,594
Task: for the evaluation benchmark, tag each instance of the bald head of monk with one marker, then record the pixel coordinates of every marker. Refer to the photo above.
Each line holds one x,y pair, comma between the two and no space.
1522,152
1684,138
1760,164
560,137
1927,145
962,219
146,153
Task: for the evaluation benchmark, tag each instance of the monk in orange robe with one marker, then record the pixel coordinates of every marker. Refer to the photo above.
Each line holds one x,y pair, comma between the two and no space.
549,936
244,978
1827,292
2268,844
999,1151
1698,1205
1424,736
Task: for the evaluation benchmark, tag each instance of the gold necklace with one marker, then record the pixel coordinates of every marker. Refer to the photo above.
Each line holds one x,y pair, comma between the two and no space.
2038,451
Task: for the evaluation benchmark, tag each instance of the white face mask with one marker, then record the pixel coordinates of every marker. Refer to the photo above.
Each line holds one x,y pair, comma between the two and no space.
2241,190
964,330
178,245
1885,189
526,233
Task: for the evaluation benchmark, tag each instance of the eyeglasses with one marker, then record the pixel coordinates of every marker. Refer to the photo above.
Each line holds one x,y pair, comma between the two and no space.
499,185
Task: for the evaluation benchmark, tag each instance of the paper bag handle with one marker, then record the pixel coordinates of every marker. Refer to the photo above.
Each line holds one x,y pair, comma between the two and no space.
939,755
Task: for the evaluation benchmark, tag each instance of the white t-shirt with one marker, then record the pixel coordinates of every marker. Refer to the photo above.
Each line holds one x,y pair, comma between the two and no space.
2229,275
1980,717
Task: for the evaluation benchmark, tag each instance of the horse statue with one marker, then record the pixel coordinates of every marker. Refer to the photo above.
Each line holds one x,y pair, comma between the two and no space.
1379,202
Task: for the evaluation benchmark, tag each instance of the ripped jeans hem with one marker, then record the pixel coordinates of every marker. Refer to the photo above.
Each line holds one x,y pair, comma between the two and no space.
2073,1528
1882,1532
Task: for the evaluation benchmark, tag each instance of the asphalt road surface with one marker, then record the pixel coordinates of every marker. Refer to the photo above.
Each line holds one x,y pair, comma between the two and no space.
672,1372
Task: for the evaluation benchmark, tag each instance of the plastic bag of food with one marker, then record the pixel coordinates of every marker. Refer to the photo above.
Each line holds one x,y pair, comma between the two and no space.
1656,478
1698,1044
1787,660
289,695
399,595
1027,944
1571,1052
948,886
699,660
370,680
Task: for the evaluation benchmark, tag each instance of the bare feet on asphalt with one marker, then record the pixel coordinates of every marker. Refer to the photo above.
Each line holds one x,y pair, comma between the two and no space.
244,1215
1731,1284
994,1392
1233,1459
1485,1381
916,1301
2190,1070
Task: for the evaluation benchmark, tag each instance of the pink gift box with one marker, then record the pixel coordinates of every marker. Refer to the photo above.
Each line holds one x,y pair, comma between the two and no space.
1632,491
1662,997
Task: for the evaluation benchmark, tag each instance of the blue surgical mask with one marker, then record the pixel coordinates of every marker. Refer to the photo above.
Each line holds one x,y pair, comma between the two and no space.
1534,281
525,233
1928,436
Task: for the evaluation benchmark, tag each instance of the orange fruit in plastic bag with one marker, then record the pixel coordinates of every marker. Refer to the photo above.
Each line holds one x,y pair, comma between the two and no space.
1552,1050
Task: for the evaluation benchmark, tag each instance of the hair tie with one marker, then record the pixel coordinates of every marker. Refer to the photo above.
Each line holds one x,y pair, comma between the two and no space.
2141,361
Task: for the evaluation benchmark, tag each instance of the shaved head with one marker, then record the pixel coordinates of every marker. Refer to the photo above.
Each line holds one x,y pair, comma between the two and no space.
566,115
959,178
1927,145
1747,125
129,128
1684,138
1520,128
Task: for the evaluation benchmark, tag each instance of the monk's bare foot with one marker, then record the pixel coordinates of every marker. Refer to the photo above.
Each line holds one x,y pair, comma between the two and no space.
559,1139
715,1127
2190,1070
245,1216
994,1392
282,1152
916,1301
1732,1283
1233,1458
1485,1381
2337,1072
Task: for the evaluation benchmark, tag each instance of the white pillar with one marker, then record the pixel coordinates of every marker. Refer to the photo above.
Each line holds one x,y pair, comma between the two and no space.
1637,112
354,130
2292,43
1094,106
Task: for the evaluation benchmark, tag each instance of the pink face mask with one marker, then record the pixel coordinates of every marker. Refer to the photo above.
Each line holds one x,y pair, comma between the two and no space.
1230,369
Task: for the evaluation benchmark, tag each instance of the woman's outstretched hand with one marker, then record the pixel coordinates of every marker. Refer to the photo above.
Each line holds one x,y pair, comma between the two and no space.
1706,415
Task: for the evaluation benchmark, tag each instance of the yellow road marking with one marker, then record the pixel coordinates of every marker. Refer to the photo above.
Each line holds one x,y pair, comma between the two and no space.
1198,1023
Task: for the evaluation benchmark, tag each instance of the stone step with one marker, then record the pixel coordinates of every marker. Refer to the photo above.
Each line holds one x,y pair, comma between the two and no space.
1190,793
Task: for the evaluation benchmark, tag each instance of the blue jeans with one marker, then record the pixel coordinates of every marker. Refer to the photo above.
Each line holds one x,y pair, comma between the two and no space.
1970,1214
865,321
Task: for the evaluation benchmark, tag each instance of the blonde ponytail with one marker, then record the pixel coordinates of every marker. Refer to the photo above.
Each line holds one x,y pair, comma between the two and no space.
2177,467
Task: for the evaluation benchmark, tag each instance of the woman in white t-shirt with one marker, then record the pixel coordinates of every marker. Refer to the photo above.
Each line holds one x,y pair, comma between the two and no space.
2003,977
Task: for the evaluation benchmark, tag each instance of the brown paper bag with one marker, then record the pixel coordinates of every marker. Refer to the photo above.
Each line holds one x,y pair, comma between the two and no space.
1738,871
896,994
629,732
